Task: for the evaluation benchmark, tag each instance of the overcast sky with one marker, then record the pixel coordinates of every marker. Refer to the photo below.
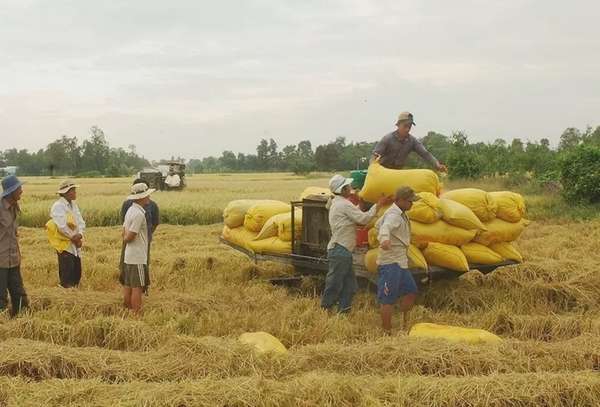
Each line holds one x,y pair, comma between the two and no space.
194,78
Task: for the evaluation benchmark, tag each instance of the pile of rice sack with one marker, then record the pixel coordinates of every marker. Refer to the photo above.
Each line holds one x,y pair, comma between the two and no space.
453,230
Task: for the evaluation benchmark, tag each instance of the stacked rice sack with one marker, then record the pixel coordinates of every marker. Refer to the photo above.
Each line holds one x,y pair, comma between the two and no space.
458,228
264,226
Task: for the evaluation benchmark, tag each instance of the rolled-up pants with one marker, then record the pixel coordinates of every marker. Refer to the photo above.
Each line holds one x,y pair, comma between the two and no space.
340,283
11,283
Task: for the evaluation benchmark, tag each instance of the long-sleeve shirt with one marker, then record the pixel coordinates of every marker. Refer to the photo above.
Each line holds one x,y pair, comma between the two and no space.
59,214
394,226
10,255
344,216
394,152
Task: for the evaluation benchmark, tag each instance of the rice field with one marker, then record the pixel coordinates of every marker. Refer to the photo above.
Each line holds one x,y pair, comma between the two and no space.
79,347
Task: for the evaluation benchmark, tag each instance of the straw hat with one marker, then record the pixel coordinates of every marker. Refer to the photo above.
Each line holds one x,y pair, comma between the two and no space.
140,191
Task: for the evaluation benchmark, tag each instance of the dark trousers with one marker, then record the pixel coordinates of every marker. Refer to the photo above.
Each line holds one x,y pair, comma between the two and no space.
11,283
340,283
69,269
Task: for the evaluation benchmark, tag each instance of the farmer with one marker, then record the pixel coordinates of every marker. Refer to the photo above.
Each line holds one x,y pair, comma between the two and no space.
395,280
135,276
10,255
393,149
340,283
66,215
152,211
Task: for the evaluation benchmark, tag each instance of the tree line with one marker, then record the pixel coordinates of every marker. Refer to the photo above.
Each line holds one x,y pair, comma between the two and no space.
66,156
464,158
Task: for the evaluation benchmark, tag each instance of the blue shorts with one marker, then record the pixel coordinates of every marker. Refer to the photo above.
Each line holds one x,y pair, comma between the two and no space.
393,283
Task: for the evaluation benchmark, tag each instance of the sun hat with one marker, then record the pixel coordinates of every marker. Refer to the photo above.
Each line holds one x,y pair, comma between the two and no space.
140,191
65,186
9,185
337,183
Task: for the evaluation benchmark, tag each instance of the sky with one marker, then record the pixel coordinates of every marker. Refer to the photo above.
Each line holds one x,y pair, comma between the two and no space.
194,78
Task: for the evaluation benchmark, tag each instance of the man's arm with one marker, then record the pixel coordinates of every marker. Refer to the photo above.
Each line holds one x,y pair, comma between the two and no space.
420,149
388,223
155,215
380,149
58,213
132,228
126,205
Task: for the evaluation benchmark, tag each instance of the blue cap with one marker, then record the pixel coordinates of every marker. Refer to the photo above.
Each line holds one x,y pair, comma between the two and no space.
9,185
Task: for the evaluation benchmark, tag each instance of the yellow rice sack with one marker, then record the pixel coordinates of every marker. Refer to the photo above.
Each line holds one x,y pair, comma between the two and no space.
511,206
440,232
415,259
235,211
373,241
281,226
457,214
499,230
284,225
453,333
239,236
427,209
57,240
271,245
507,250
315,191
479,254
263,342
479,201
382,181
260,213
446,256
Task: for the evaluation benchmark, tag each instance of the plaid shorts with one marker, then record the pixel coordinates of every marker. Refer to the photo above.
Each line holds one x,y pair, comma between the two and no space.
135,275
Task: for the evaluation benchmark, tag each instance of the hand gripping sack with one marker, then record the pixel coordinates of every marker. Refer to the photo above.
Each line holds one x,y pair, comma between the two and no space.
479,201
446,256
260,213
383,181
511,206
427,209
57,240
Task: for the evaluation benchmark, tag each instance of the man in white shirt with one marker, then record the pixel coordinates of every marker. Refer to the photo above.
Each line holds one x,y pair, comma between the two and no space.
395,280
135,276
66,215
344,216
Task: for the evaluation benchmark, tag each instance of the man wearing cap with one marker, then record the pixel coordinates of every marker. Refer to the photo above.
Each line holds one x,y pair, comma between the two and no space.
10,255
393,149
135,276
66,215
395,280
344,216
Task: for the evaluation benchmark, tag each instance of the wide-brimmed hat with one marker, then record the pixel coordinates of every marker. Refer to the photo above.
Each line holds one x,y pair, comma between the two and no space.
337,183
9,185
65,186
140,191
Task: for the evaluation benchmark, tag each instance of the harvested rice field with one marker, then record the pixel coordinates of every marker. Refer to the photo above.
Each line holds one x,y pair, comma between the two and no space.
80,348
